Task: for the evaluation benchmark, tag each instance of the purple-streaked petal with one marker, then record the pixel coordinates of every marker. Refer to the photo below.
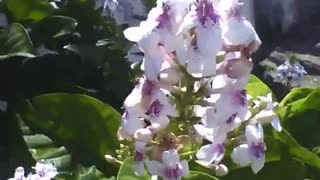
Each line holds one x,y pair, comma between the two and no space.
257,163
211,153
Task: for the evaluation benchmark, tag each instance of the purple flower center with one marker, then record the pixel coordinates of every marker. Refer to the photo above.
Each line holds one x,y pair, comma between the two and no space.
206,12
139,156
240,98
155,109
219,148
147,87
257,149
164,18
173,173
231,119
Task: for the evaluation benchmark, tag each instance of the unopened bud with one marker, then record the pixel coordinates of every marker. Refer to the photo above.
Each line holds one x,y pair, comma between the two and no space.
143,135
109,158
264,117
221,170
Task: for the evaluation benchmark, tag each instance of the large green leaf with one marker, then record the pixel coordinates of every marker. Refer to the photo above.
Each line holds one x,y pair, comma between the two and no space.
15,41
126,171
29,9
301,119
41,147
294,95
256,87
296,151
77,121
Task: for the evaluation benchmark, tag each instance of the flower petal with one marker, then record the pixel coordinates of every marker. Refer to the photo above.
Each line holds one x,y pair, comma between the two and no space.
133,34
185,168
170,158
257,163
210,153
155,167
240,155
276,124
254,134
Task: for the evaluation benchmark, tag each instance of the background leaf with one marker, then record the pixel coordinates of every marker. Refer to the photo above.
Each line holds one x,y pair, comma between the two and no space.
34,10
86,126
15,41
126,171
256,87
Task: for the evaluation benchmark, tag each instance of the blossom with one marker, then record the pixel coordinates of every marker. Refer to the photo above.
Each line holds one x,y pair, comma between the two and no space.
236,29
266,115
253,151
19,174
171,167
206,39
214,152
291,71
123,11
227,118
44,171
159,110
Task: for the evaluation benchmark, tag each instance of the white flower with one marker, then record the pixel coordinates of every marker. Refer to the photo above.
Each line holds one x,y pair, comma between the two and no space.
227,118
44,171
267,115
235,65
130,123
253,151
291,72
18,174
124,11
236,29
141,96
159,110
206,39
211,153
171,167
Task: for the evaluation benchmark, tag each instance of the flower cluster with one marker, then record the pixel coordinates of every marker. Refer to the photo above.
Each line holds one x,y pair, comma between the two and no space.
291,71
43,171
191,98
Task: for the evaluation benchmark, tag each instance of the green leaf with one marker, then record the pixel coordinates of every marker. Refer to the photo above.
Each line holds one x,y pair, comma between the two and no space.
126,171
297,151
77,121
41,147
256,87
195,175
29,9
90,173
294,95
15,41
301,119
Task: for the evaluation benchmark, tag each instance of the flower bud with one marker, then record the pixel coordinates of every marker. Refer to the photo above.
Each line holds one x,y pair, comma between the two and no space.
221,170
143,135
264,117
